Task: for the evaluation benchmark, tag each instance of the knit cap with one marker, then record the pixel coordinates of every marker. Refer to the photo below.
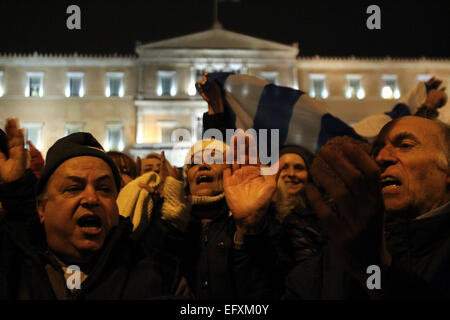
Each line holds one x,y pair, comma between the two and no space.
74,145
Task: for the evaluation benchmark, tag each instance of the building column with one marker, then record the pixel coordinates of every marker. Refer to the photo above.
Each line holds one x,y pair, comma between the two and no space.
294,77
139,126
140,81
194,124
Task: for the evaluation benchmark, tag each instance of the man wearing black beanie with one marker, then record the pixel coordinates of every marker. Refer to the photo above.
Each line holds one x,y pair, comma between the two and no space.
81,248
74,145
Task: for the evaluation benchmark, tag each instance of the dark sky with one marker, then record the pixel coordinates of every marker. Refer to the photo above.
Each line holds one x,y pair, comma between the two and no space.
327,28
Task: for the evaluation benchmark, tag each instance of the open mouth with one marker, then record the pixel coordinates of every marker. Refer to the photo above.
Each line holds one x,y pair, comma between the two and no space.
293,182
390,181
204,179
92,222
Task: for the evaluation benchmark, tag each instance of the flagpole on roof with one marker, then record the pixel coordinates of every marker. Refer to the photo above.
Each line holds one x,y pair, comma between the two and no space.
216,24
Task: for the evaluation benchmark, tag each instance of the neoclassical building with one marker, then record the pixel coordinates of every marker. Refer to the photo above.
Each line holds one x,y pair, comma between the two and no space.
134,103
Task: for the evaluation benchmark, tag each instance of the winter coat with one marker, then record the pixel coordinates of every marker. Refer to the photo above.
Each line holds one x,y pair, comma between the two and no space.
304,232
122,268
214,266
420,250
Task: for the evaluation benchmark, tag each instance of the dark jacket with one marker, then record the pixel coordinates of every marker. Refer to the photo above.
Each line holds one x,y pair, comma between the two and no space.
214,266
304,232
122,269
420,251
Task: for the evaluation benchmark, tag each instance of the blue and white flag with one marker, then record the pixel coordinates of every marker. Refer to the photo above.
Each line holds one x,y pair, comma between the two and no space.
369,127
251,102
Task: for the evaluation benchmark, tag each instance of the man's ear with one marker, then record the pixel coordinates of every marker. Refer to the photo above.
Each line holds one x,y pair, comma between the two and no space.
40,204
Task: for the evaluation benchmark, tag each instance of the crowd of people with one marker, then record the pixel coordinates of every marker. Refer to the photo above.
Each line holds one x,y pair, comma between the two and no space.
90,224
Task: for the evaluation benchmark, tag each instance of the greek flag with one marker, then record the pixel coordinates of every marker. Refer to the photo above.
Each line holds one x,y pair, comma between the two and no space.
251,102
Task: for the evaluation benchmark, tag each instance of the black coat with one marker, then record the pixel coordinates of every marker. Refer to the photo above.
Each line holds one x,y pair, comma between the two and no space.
214,267
304,232
420,251
122,269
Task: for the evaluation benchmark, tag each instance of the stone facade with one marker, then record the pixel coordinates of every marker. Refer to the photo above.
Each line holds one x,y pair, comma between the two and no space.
157,93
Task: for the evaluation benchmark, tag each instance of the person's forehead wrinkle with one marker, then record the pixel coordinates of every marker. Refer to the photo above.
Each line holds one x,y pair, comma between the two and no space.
105,177
79,179
398,137
75,179
391,137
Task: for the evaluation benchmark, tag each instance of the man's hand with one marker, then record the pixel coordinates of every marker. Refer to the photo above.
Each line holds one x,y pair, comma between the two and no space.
167,170
13,167
139,165
247,192
436,98
434,83
211,94
353,215
37,161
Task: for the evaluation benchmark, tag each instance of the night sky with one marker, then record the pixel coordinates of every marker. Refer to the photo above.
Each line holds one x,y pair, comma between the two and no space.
326,28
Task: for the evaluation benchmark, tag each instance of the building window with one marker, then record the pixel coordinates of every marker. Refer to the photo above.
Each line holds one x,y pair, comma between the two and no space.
196,75
199,73
72,127
166,127
318,86
75,85
220,67
114,85
2,91
166,135
174,138
114,137
354,87
33,133
35,84
270,76
423,77
390,88
166,83
236,68
198,128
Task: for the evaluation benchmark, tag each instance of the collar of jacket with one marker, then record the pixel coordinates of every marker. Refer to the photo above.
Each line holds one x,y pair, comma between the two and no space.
220,207
418,233
113,248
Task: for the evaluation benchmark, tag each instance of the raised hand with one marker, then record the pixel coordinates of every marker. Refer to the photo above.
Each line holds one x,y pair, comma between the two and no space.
436,98
167,170
434,83
37,161
353,215
139,165
13,167
211,94
247,192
